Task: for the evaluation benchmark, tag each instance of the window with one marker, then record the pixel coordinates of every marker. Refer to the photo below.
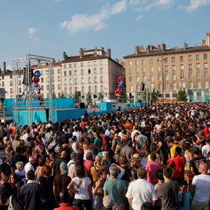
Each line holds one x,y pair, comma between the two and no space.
2,77
130,79
70,81
159,69
152,78
167,86
198,95
173,68
70,89
88,63
174,86
167,77
181,67
136,62
151,61
95,79
82,89
144,79
151,69
75,89
10,83
131,88
205,57
206,74
137,79
10,76
197,57
75,64
137,88
174,76
190,85
64,73
206,84
70,73
81,64
165,60
82,80
198,75
101,70
159,77
19,82
102,88
82,71
130,63
166,68
189,57
198,66
181,58
205,65
70,65
11,90
173,59
95,71
144,69
95,89
65,81
190,66
64,66
190,75
182,76
89,79
101,79
89,89
48,87
42,80
137,70
75,72
182,85
198,84
143,61
160,87
89,71
59,86
20,90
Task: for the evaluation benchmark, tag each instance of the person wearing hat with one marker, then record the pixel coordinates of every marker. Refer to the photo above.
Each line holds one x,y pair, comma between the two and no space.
61,181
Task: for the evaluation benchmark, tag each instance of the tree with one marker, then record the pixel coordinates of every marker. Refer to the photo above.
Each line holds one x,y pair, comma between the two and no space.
88,98
182,95
154,96
124,96
100,96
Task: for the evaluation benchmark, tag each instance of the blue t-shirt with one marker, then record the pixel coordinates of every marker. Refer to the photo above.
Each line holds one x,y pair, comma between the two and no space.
187,201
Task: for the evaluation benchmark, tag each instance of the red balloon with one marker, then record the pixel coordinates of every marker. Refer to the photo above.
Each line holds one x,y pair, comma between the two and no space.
36,79
120,79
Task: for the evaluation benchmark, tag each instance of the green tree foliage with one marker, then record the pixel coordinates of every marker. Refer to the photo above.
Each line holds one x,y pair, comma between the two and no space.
182,95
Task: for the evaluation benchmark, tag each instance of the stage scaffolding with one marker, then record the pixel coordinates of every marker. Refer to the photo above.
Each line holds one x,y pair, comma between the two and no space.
25,101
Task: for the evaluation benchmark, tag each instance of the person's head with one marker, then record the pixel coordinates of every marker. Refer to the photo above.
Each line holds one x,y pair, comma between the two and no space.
73,156
5,193
178,151
46,171
19,165
159,175
134,174
141,173
13,179
133,162
103,173
196,151
170,142
30,175
63,168
146,206
80,171
203,168
129,143
114,171
167,173
122,160
63,154
32,160
183,186
153,156
65,197
89,156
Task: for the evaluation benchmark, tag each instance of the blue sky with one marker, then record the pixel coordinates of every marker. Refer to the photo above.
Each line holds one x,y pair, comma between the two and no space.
49,27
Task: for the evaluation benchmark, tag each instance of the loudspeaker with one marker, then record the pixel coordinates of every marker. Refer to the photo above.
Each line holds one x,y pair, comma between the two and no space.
81,105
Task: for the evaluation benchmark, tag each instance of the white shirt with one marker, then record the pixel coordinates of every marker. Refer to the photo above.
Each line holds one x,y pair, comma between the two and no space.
25,137
28,167
205,149
83,193
202,189
140,191
71,165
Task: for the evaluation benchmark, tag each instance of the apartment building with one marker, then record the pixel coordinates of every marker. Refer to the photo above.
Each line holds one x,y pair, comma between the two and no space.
170,69
91,72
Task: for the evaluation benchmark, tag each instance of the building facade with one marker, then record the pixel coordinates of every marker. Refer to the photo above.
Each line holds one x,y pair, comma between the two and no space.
92,72
169,69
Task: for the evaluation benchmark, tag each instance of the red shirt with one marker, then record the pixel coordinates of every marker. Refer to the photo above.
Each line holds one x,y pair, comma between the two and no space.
151,169
178,163
66,206
105,140
88,164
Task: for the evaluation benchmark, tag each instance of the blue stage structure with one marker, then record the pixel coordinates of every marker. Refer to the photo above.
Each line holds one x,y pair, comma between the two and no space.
106,106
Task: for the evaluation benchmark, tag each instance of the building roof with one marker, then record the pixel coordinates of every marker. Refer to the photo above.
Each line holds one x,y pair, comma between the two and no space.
44,66
157,52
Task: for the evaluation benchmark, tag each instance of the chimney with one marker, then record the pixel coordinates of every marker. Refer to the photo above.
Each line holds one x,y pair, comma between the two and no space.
208,39
81,52
163,47
109,52
159,47
203,43
185,45
95,52
39,63
64,56
53,60
137,50
4,67
148,48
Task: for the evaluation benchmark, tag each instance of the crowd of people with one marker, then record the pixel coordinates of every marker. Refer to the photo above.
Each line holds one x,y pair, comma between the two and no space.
145,158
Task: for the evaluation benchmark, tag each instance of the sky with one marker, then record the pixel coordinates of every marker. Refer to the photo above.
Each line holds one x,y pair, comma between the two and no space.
49,27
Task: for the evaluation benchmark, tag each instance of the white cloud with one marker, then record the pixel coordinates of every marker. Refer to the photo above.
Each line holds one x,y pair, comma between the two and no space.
137,2
80,22
33,33
195,4
139,17
159,3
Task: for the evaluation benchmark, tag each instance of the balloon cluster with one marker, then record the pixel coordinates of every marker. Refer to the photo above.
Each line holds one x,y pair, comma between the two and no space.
36,80
119,90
